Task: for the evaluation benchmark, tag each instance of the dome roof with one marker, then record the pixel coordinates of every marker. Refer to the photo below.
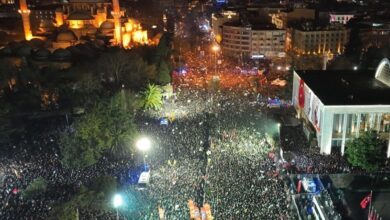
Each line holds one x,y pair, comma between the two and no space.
80,15
67,36
61,54
107,25
24,51
42,54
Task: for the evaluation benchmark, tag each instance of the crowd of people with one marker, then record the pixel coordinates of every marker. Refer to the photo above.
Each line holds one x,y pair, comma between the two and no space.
216,149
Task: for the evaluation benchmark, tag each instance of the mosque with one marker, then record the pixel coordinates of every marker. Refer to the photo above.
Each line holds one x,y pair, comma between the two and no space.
87,19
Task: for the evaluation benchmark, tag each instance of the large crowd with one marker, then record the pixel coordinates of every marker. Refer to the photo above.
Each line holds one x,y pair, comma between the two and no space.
218,148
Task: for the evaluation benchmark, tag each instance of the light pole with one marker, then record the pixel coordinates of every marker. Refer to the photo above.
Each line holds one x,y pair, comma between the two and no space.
215,48
143,145
117,201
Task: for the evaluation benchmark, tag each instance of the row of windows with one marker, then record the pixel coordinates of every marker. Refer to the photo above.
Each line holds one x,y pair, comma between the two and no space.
324,35
268,44
322,40
237,47
236,32
40,17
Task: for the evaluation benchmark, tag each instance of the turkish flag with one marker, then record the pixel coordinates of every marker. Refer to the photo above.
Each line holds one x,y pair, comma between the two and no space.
365,201
301,94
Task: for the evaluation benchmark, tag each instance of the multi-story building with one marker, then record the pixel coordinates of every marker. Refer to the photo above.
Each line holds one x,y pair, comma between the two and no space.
249,40
218,19
338,17
375,34
311,39
340,105
282,19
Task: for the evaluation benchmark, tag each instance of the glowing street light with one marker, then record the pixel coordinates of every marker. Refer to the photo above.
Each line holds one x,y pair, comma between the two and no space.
215,48
117,201
143,145
355,68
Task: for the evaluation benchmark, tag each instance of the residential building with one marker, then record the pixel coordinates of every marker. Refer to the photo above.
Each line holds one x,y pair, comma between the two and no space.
339,17
309,38
282,19
252,39
218,19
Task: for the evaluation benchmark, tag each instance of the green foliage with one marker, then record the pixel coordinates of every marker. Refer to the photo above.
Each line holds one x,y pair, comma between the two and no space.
109,127
163,49
36,187
152,97
163,76
96,197
129,69
366,151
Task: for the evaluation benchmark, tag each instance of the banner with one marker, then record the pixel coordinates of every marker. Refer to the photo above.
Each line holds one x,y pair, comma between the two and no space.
301,94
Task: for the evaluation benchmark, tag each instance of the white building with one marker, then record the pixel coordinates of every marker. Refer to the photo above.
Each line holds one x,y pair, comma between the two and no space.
252,40
342,18
339,105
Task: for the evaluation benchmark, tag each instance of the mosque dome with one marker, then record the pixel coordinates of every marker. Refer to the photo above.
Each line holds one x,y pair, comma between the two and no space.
24,51
66,36
107,25
42,54
62,54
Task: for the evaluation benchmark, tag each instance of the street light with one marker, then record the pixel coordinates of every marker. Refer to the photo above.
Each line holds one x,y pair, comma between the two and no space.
117,201
215,48
143,145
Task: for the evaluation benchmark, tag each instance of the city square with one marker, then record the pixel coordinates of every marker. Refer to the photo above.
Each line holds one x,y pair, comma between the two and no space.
200,110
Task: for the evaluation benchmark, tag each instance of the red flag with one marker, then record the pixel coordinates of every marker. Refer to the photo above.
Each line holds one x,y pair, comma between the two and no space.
301,94
365,201
299,186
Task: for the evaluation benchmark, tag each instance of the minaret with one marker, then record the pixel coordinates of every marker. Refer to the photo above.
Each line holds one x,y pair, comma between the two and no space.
116,13
26,19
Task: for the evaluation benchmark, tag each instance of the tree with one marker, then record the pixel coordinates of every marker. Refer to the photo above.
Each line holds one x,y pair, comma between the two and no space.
96,197
36,187
163,49
125,68
108,128
113,65
152,97
163,76
366,151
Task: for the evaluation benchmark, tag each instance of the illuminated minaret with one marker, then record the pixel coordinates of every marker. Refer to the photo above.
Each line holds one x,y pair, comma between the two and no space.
116,13
26,19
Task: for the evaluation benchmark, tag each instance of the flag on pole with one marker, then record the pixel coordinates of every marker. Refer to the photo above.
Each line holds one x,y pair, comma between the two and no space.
365,201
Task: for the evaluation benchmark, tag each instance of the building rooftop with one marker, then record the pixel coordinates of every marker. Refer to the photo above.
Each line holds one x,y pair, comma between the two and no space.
344,87
252,25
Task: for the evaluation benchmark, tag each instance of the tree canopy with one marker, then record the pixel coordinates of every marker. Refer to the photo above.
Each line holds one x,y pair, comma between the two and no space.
108,128
367,151
163,76
152,97
96,197
36,187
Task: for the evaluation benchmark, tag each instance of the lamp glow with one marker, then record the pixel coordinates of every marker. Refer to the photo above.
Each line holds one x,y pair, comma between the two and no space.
215,48
118,201
143,144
